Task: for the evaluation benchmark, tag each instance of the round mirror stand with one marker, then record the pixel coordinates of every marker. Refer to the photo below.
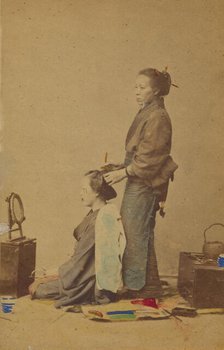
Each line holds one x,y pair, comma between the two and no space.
15,214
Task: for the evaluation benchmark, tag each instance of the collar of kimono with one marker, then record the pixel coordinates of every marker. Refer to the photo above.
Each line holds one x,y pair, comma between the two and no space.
157,101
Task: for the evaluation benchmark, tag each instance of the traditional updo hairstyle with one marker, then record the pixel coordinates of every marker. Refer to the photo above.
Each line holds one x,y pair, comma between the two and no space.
99,185
159,81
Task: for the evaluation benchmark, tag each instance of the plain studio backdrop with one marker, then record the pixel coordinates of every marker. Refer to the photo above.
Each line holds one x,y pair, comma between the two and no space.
68,76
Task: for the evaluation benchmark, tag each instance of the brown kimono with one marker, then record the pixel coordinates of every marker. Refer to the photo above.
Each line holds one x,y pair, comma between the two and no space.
148,145
150,167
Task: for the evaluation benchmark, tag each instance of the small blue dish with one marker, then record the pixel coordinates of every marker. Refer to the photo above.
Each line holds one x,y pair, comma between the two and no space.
7,304
220,260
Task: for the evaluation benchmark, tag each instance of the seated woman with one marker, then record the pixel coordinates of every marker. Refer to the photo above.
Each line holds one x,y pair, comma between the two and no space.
94,272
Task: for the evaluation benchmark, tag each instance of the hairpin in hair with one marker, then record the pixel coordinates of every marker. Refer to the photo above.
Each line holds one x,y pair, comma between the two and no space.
165,72
106,157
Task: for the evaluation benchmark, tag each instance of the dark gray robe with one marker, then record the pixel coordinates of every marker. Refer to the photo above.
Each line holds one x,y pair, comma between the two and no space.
76,283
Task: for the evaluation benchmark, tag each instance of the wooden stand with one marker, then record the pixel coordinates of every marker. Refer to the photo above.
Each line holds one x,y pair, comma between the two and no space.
201,282
17,262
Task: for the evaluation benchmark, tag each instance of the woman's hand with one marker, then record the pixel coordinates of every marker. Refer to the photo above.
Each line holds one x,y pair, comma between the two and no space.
115,176
112,167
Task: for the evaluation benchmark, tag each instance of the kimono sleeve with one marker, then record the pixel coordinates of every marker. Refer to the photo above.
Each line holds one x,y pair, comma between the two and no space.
153,148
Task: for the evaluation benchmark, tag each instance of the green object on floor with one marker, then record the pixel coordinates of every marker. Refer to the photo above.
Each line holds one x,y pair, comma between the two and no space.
123,317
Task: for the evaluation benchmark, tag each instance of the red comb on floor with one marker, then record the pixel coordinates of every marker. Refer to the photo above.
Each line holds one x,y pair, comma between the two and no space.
146,302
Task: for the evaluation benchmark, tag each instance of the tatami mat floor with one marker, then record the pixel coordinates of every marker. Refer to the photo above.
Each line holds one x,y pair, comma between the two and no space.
37,325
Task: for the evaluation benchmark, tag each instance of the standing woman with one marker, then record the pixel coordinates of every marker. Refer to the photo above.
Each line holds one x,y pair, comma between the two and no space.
148,168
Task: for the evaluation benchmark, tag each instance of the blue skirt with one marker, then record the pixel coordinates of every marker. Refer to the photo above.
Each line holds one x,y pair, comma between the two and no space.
138,212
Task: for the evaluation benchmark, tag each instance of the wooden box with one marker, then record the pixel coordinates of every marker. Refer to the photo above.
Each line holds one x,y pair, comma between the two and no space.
200,282
17,265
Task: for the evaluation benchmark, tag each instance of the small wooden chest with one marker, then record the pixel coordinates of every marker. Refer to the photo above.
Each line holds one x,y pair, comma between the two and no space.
200,282
17,262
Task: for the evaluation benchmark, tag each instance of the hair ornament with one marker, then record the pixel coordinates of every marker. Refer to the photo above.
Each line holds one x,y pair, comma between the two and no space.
166,75
156,72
